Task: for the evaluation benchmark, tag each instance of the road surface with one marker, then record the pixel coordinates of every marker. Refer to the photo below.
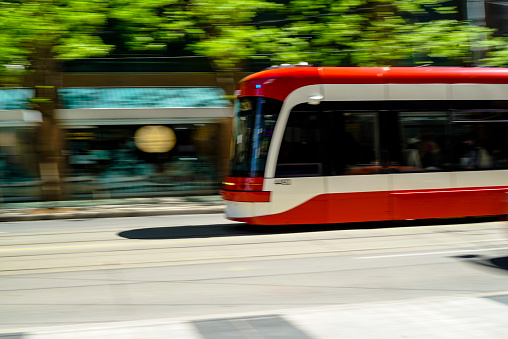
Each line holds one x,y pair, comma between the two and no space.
68,272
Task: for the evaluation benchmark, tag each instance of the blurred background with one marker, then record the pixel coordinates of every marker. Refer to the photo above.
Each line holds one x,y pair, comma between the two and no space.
133,98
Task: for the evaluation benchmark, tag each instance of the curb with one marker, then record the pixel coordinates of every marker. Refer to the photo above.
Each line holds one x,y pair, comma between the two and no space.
23,216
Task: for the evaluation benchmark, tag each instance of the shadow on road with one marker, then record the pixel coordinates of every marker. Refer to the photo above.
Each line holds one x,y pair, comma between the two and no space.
233,230
499,263
183,232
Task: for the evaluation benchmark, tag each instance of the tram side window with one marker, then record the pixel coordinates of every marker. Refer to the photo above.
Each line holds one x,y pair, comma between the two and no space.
359,145
480,140
424,142
300,149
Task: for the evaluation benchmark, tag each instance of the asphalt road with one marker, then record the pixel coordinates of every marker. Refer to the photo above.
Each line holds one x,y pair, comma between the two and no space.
64,272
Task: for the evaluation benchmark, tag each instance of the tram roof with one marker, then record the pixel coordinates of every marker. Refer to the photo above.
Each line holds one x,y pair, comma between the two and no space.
279,82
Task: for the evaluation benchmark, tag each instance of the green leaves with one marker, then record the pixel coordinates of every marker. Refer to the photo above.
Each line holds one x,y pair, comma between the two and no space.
229,32
379,33
67,27
79,45
498,54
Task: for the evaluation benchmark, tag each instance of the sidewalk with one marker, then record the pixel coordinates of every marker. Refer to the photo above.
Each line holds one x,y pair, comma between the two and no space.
455,317
110,208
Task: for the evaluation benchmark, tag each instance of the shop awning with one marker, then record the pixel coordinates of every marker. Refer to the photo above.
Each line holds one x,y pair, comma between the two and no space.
15,98
126,105
142,97
162,97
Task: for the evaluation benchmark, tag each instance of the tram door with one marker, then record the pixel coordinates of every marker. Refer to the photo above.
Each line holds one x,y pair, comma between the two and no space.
357,186
298,192
328,168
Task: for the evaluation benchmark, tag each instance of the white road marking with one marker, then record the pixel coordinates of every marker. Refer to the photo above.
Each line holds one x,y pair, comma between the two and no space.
431,253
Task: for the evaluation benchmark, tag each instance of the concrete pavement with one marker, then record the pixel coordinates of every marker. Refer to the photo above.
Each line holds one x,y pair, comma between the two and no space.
109,208
460,317
463,316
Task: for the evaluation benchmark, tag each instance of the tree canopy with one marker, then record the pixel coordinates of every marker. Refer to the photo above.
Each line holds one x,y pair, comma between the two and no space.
230,32
322,32
31,29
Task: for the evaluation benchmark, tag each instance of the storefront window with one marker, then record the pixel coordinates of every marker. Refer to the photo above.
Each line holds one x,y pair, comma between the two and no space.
143,160
18,166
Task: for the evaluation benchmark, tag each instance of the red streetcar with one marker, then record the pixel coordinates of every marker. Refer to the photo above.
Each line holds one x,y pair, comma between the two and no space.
340,144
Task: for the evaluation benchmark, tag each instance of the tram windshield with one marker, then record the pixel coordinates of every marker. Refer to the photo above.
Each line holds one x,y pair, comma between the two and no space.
255,120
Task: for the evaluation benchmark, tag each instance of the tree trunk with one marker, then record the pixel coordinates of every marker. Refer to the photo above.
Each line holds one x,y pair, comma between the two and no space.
47,80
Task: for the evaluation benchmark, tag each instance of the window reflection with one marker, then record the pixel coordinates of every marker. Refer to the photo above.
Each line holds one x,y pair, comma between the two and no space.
424,146
299,153
361,143
253,130
109,159
480,140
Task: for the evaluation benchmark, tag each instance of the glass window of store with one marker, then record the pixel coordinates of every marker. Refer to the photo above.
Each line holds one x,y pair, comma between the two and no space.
144,159
18,164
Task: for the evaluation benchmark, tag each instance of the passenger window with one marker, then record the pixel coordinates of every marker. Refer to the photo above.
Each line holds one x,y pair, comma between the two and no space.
359,147
480,141
423,145
300,150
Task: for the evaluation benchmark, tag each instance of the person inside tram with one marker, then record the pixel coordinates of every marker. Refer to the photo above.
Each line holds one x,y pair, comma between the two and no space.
475,156
429,151
423,152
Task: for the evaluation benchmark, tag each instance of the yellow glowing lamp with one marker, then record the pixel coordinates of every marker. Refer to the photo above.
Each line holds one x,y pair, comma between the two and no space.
155,139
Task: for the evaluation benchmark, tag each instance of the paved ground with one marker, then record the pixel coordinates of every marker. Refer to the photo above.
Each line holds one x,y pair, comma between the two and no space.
110,208
481,317
464,317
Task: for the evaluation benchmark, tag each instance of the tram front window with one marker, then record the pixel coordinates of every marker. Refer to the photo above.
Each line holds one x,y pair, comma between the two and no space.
255,120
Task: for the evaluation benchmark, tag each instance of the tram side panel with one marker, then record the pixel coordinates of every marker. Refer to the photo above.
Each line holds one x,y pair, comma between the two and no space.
358,198
294,201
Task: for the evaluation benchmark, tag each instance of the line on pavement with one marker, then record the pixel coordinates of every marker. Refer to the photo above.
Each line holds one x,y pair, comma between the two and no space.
430,253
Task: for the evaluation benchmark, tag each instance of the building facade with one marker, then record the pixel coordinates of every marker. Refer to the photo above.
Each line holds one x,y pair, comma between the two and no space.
124,136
